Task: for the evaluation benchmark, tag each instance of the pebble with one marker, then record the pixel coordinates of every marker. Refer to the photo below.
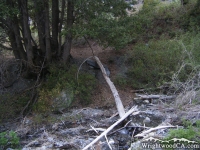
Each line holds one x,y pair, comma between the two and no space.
147,120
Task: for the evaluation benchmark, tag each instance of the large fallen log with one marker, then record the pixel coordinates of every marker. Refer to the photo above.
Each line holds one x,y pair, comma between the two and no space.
118,101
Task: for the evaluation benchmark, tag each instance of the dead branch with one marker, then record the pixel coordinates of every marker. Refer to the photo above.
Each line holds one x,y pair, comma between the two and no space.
153,129
118,101
162,97
112,126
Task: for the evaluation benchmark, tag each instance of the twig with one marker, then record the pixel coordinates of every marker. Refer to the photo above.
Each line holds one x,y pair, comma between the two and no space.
96,129
80,68
89,46
111,127
127,123
34,95
108,142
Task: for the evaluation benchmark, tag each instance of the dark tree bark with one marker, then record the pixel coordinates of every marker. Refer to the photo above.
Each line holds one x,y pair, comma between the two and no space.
40,20
60,27
68,38
47,32
27,33
12,39
18,41
55,22
13,31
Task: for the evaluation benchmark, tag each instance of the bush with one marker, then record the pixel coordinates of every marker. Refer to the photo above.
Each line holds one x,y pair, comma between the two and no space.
189,132
153,63
9,140
59,80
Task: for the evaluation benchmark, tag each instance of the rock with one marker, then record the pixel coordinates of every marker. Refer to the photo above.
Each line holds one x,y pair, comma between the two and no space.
146,101
72,131
94,65
88,113
62,102
123,131
147,120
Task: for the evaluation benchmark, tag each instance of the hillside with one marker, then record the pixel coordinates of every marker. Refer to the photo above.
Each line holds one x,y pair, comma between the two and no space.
153,60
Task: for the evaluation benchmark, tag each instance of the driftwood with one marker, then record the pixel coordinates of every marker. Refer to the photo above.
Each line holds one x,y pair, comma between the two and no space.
162,97
112,126
118,101
153,129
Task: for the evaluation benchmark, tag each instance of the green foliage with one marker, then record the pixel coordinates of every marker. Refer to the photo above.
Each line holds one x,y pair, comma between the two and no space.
7,11
148,4
167,46
120,80
9,139
11,105
102,20
153,63
190,19
189,132
59,80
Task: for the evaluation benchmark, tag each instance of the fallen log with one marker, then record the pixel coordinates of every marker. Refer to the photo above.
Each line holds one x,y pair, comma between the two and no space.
146,97
112,126
118,101
153,129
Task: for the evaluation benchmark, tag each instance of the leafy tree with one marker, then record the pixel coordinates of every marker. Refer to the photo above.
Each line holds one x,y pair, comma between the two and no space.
52,20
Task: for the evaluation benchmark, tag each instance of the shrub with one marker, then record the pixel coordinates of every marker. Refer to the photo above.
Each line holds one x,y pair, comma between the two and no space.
189,132
59,80
153,63
9,140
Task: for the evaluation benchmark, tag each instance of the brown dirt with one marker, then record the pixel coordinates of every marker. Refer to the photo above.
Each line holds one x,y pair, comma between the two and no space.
102,96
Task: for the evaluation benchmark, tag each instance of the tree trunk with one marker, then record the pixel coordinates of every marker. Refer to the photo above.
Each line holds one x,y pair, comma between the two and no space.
55,22
60,26
12,39
47,32
27,33
68,38
13,31
18,41
40,20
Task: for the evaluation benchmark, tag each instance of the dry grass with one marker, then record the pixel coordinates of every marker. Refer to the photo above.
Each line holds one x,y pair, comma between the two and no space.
187,102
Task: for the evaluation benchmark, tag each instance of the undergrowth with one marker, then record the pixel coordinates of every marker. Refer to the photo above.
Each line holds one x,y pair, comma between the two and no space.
12,104
9,140
61,88
164,35
190,132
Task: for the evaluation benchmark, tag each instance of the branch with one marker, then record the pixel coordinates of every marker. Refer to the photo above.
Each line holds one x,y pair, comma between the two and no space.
153,129
118,101
111,127
163,97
